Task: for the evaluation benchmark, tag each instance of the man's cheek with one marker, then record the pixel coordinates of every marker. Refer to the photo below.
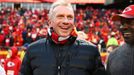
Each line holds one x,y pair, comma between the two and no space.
71,22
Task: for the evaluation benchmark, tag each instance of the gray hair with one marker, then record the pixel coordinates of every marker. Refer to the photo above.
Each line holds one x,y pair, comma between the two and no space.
58,3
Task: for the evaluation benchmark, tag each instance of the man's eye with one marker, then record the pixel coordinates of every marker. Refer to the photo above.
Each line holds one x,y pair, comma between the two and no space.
132,23
70,17
60,16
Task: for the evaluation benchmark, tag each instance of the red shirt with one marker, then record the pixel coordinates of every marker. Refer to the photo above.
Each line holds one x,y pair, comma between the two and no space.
12,66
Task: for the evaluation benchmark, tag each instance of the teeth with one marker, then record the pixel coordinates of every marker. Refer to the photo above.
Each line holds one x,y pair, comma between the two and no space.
64,27
127,33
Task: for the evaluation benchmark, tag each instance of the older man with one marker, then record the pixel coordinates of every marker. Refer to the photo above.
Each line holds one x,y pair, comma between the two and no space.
61,53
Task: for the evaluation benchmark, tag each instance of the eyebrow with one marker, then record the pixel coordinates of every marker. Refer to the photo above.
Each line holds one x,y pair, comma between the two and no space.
60,15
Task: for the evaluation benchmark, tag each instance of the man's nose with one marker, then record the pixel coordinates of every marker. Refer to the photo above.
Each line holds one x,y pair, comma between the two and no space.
66,20
123,28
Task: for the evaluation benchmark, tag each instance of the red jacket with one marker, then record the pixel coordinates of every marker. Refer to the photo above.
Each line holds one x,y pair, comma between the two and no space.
12,64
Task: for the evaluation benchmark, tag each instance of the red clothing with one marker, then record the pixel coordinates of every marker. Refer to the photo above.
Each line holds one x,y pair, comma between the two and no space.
12,64
2,37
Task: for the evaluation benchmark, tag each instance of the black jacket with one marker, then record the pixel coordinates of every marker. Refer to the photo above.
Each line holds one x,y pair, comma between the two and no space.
46,58
121,61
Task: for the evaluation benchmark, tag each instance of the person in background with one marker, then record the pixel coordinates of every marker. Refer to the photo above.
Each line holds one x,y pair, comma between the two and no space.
121,60
61,53
13,63
112,40
2,71
112,43
22,51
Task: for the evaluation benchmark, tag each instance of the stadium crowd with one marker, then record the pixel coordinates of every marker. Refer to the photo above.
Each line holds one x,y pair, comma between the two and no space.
22,26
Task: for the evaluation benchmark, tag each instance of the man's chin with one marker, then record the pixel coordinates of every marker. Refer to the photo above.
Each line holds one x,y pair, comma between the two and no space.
64,36
129,41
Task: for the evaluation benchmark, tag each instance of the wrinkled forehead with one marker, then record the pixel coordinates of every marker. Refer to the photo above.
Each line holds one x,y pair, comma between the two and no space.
61,7
126,20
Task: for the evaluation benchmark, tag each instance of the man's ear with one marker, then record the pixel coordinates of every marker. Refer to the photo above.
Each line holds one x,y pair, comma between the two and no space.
49,23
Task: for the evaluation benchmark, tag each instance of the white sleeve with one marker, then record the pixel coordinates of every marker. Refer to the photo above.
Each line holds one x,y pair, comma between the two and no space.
2,71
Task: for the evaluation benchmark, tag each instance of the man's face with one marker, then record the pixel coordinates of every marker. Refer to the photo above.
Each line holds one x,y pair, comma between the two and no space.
127,29
62,20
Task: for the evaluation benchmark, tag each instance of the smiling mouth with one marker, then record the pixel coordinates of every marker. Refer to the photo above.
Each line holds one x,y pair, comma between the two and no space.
64,28
127,34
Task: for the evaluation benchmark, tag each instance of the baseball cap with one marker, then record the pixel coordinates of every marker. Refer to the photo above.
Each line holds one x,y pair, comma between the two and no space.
128,12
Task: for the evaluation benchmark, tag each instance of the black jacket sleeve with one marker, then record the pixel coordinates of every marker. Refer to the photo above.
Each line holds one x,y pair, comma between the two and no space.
108,67
99,67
